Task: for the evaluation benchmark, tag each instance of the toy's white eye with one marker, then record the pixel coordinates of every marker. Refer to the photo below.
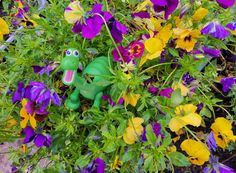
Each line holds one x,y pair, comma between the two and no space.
76,53
68,53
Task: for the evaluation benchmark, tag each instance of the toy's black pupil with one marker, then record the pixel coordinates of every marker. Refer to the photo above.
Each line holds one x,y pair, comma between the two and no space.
76,53
68,52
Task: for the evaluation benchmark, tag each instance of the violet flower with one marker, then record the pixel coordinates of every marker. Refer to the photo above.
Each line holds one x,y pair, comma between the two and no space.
216,30
211,142
117,30
211,52
227,83
168,6
153,90
156,127
96,166
40,140
187,79
45,69
111,102
231,26
216,167
225,3
14,169
21,92
166,92
142,15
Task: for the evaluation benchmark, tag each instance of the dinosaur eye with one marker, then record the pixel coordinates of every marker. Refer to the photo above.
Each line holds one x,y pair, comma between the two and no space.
68,53
76,53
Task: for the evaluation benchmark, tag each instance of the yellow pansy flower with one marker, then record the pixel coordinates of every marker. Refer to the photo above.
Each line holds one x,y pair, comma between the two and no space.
134,130
143,5
155,45
4,29
74,12
26,117
185,115
222,131
197,151
184,90
131,98
186,38
200,14
11,122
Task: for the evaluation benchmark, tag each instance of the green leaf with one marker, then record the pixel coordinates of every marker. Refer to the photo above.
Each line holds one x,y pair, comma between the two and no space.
178,159
176,98
121,128
82,161
173,52
148,163
206,112
128,156
109,146
151,137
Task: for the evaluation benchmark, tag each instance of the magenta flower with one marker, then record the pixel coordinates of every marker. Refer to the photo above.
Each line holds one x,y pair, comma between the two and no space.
166,92
168,6
134,50
142,15
216,30
225,3
227,83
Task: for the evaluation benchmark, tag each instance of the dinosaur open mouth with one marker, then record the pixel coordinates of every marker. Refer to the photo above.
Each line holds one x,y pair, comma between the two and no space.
68,76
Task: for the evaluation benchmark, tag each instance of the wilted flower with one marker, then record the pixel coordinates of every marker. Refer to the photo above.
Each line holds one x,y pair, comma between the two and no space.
168,6
185,115
156,127
225,3
216,30
222,131
131,98
117,30
40,140
184,90
116,164
134,130
228,83
197,151
211,142
4,28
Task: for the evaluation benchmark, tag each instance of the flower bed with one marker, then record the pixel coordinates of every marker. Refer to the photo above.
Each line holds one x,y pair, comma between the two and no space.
118,86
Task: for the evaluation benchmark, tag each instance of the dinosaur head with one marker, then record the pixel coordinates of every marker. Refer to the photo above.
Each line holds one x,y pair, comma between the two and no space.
70,64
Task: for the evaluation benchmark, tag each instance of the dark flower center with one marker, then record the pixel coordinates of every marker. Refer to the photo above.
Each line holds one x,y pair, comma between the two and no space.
188,38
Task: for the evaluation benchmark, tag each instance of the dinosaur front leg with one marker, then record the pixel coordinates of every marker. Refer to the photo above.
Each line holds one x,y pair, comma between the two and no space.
97,99
73,101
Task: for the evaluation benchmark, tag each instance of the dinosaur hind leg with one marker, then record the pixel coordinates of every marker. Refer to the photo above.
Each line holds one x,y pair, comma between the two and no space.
97,99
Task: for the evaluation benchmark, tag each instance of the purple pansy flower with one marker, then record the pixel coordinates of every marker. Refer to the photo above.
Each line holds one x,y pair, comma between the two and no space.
98,166
111,102
21,92
227,83
156,127
211,52
166,92
117,30
14,169
216,30
142,15
231,26
216,167
225,3
40,140
168,6
187,79
211,142
153,90
45,69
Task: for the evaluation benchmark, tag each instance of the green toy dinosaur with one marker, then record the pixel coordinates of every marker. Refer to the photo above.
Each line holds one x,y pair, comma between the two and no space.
90,84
